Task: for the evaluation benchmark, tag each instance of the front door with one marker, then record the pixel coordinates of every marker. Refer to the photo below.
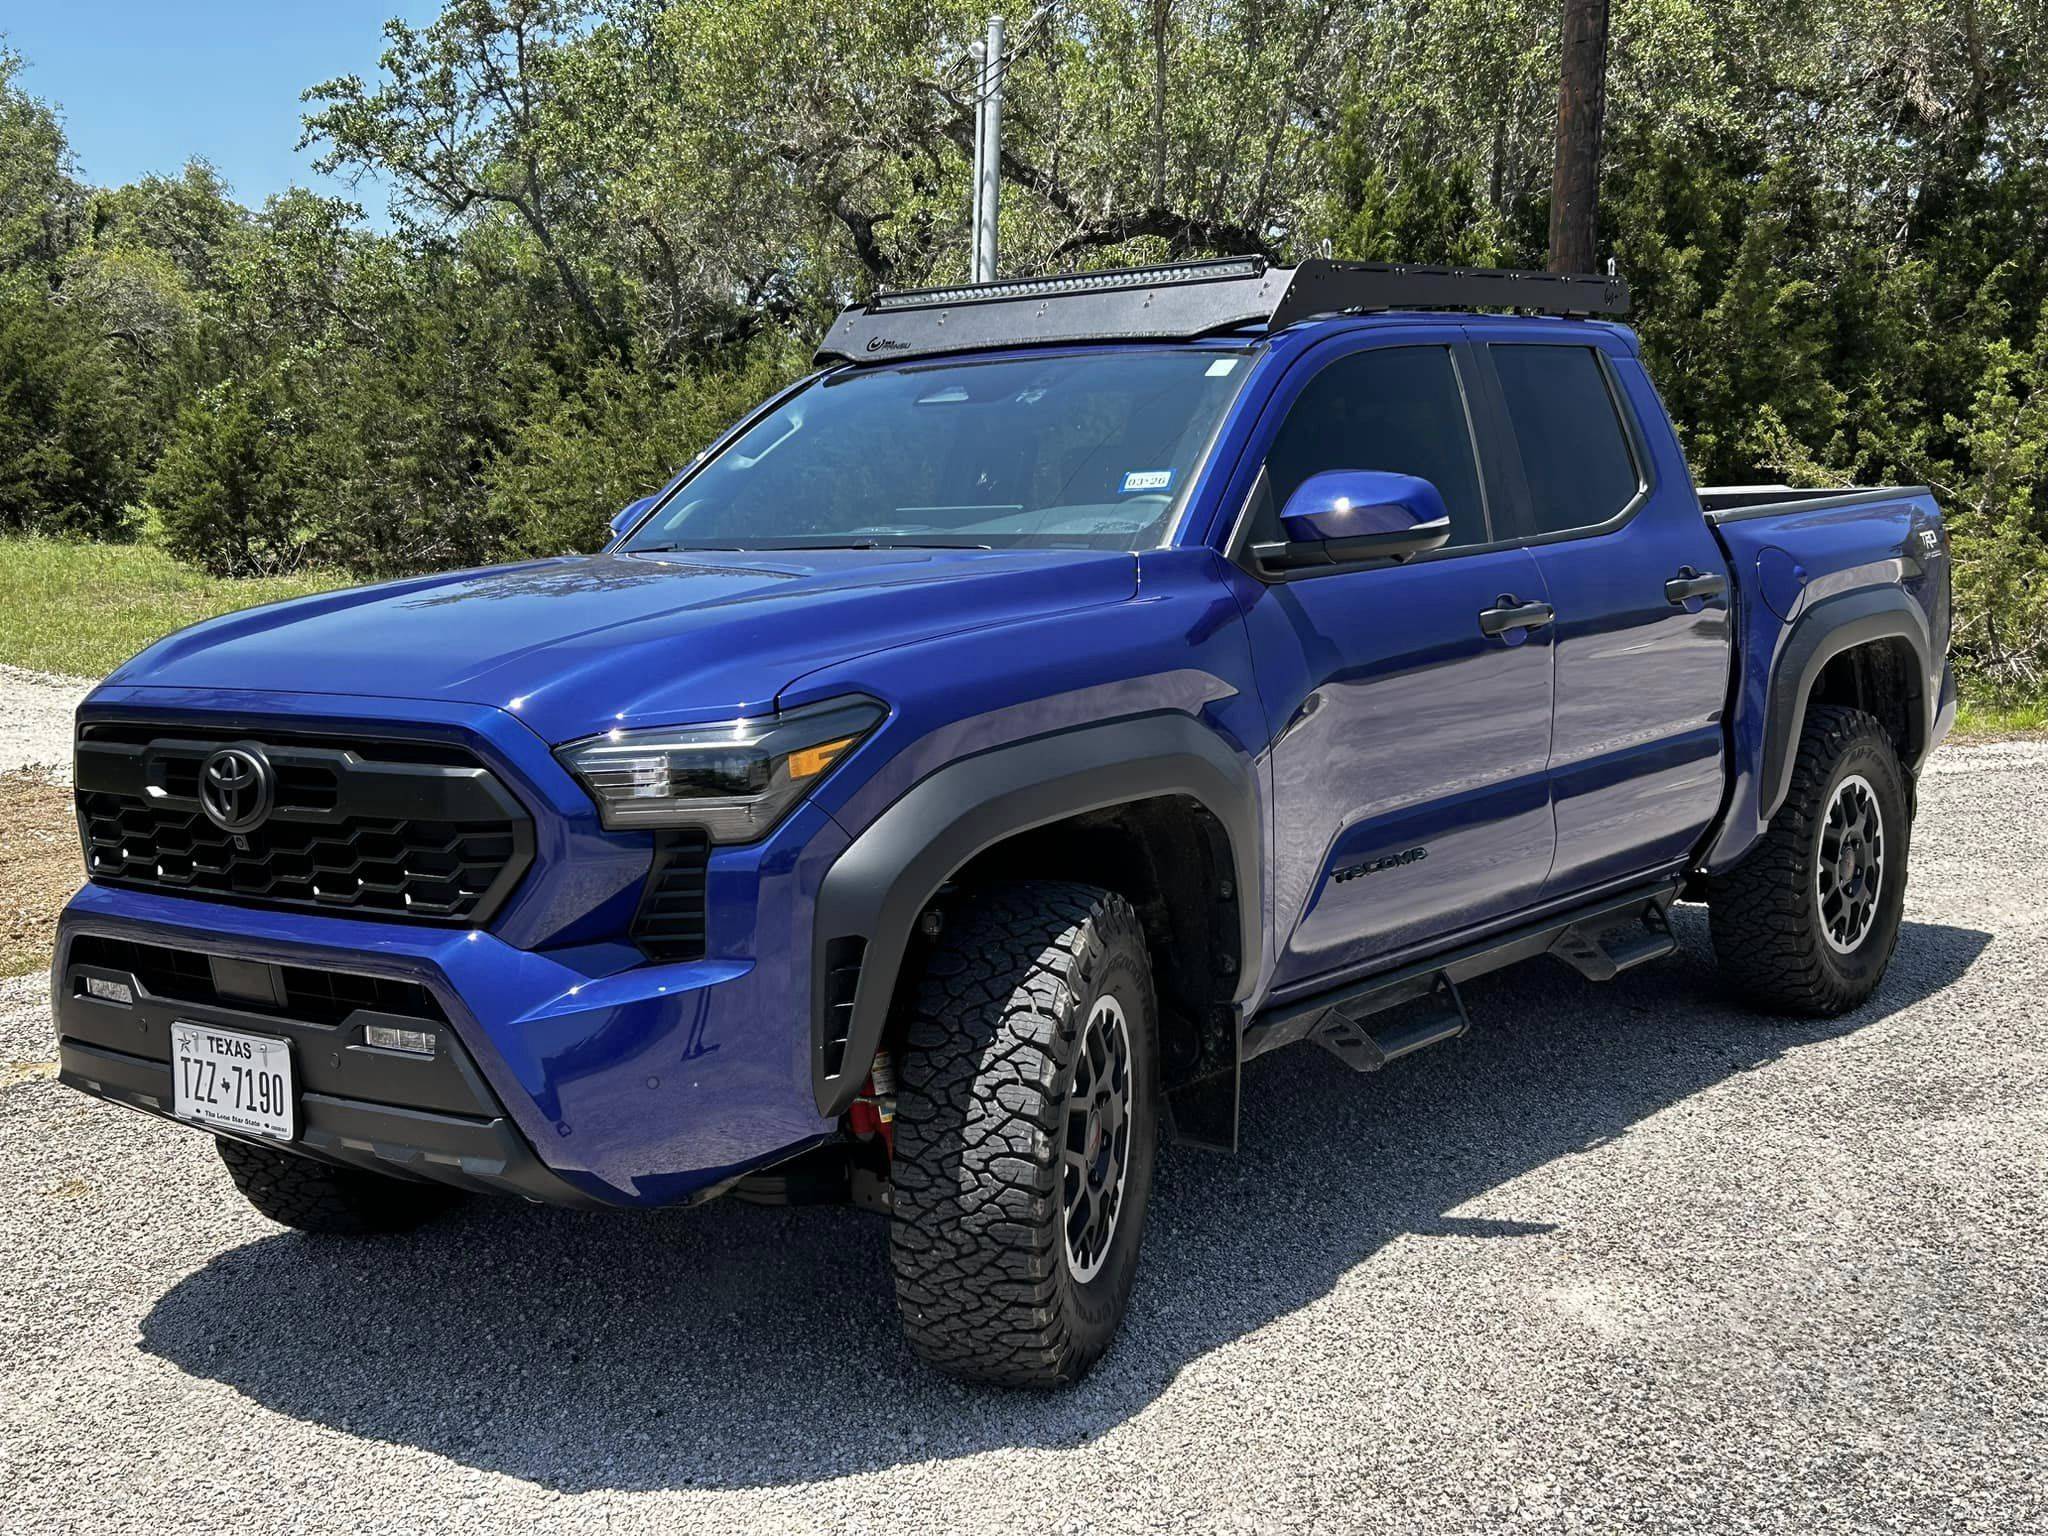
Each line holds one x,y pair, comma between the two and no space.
1408,764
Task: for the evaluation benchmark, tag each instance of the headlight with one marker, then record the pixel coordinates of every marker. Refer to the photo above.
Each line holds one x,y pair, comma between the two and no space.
736,779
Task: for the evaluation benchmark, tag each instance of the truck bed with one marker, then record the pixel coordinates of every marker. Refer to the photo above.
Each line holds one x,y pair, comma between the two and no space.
1811,568
1731,503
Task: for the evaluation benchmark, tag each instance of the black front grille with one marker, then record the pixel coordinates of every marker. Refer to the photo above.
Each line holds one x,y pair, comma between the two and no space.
670,923
431,869
374,829
300,992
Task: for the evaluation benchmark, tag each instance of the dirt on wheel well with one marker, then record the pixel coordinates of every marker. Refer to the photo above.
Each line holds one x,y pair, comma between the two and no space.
39,867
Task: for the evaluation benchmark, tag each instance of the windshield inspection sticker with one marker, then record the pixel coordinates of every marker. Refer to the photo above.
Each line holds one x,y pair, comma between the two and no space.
1147,480
1221,368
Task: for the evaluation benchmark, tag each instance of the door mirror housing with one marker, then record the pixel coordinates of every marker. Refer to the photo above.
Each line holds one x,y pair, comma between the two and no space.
1351,516
629,514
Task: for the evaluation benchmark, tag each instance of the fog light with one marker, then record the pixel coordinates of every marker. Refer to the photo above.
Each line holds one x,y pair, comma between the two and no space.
415,1042
109,991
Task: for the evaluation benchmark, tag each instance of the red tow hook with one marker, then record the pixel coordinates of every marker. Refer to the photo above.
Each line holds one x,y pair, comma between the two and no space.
874,1112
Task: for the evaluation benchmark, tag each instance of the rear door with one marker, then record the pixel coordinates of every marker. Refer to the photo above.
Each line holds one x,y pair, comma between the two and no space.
1409,745
1642,641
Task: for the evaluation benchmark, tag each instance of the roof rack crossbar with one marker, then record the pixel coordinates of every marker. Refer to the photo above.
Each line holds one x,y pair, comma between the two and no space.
1327,287
1188,300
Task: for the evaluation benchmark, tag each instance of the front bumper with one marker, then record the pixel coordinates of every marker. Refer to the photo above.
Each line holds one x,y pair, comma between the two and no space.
576,1076
479,1151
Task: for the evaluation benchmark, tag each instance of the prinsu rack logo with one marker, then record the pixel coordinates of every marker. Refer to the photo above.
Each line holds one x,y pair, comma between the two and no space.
236,788
887,344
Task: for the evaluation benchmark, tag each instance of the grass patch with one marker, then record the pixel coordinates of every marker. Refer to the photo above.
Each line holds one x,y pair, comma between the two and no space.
39,868
1988,721
83,609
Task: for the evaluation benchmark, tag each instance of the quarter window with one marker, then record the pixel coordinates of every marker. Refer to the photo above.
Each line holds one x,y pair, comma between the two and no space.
1392,408
1575,453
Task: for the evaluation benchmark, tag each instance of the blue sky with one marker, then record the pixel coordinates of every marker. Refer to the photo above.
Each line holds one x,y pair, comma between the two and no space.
146,84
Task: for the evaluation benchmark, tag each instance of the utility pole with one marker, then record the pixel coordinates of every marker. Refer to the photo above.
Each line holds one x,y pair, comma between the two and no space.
1581,103
988,149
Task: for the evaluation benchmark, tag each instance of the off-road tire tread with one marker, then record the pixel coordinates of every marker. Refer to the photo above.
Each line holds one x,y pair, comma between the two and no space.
975,1238
321,1197
1763,921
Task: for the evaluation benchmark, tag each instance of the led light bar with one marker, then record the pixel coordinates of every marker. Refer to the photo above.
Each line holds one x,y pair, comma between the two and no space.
1072,282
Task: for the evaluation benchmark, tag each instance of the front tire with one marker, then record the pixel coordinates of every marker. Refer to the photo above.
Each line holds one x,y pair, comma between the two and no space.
1807,922
1025,1135
320,1197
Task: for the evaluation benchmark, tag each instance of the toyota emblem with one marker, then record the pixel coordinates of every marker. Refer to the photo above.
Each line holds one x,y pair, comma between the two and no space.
236,788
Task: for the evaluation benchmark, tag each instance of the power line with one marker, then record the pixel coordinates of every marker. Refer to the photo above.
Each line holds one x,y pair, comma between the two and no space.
965,61
1025,37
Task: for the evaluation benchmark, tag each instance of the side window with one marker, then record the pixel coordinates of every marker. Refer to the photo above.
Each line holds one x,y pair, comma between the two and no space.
1575,452
1393,408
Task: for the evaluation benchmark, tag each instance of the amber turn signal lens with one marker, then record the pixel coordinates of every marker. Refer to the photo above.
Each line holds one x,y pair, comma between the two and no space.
812,761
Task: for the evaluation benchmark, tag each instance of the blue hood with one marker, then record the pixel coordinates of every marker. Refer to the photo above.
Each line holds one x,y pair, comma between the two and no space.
574,646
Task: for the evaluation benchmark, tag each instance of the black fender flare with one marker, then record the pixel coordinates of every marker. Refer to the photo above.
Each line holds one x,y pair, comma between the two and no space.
876,890
1819,635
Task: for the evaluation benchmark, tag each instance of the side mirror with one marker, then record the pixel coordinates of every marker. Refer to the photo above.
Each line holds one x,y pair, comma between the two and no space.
629,514
1345,516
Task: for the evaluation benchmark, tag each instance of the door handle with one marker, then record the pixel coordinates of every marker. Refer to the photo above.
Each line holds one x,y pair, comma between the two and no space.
1513,615
1689,584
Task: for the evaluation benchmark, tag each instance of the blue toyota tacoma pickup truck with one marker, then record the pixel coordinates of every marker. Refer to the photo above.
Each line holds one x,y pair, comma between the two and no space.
1075,689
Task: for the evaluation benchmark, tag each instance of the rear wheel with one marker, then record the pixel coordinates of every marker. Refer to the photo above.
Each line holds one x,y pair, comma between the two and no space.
323,1197
1808,921
1025,1133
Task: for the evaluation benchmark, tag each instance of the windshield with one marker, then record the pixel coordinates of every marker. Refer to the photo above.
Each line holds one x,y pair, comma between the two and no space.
1090,451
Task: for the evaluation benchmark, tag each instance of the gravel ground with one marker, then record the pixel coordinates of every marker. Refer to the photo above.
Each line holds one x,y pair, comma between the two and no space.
35,719
1623,1258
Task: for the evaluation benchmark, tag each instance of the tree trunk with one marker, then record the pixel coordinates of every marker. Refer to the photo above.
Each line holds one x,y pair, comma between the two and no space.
1581,101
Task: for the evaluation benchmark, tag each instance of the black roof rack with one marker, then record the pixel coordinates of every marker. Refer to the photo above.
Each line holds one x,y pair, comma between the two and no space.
1186,300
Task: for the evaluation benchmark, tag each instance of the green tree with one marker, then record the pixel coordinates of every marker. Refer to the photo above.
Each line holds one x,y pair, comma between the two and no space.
67,435
41,202
229,486
1998,519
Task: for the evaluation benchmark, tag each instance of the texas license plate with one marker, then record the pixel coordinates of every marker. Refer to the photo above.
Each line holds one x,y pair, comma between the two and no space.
237,1082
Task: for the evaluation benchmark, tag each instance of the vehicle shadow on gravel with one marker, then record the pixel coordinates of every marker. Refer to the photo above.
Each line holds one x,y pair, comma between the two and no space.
735,1346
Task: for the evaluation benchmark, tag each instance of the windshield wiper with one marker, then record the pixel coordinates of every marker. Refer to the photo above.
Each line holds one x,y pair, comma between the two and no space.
901,544
792,546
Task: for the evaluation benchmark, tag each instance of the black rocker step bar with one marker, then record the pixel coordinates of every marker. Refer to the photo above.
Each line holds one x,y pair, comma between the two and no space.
1599,941
1603,953
1438,1014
